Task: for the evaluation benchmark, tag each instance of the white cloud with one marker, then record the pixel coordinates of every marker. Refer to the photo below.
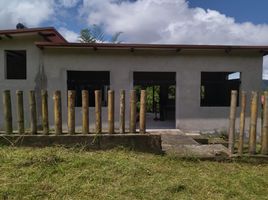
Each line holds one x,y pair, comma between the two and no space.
31,12
69,35
172,21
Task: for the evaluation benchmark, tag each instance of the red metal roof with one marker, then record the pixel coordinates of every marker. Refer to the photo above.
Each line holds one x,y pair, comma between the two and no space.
50,34
53,39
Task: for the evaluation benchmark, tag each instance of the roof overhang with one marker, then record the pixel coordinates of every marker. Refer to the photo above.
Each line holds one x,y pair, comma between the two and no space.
164,47
49,34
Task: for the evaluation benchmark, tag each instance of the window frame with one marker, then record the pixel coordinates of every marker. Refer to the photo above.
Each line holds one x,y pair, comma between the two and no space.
6,75
214,105
104,87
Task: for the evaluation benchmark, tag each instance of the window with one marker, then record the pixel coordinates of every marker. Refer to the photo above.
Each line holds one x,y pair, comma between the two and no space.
216,88
91,81
15,64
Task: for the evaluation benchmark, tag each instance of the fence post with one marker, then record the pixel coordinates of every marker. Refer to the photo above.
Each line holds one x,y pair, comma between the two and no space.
33,114
143,112
45,112
232,118
98,127
132,121
20,112
71,111
122,112
7,111
85,123
57,112
253,123
242,123
264,136
111,111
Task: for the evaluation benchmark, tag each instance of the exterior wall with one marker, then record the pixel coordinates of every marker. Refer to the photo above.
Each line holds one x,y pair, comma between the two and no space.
188,68
122,64
34,59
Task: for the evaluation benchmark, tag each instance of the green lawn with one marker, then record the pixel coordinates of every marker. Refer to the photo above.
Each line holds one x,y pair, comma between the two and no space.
59,173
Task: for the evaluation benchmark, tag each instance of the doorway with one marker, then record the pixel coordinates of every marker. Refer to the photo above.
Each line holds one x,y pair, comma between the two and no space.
161,97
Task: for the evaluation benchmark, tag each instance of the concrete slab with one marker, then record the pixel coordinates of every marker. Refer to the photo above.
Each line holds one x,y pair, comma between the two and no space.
176,142
197,151
139,142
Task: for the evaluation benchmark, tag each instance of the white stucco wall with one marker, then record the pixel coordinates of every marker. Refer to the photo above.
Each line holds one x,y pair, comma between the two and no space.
188,68
34,59
122,64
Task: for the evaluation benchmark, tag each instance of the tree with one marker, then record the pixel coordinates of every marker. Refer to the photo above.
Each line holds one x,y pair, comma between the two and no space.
96,35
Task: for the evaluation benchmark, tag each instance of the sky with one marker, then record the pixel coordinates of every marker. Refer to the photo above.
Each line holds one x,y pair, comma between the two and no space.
237,22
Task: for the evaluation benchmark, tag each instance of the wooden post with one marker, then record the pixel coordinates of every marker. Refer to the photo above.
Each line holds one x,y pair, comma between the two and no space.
33,112
85,121
122,112
264,136
7,112
57,112
253,123
242,123
132,121
143,112
232,121
45,122
111,111
20,112
98,127
71,112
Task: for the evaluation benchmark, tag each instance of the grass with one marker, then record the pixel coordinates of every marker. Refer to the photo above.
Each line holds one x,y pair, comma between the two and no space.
60,173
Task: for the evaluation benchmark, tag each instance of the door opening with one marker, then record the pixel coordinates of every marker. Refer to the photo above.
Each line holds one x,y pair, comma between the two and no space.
161,97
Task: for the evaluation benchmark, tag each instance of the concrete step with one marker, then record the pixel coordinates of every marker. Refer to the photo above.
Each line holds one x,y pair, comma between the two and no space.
178,140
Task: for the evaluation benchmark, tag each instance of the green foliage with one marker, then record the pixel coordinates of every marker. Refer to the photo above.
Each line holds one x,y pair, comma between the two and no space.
115,37
97,35
149,100
156,92
60,173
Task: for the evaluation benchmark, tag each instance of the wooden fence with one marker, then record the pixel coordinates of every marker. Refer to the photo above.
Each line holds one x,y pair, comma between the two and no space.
7,108
252,141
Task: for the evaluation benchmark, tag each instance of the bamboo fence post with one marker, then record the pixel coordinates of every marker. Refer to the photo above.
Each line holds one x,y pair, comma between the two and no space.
143,112
232,118
98,127
132,121
122,112
33,112
253,123
7,112
110,111
57,112
85,121
242,123
45,122
264,136
71,111
20,112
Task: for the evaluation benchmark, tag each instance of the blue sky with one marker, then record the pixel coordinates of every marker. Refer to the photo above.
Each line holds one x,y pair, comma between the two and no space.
242,10
234,22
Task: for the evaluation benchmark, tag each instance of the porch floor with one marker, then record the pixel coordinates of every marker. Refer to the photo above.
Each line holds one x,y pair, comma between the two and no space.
157,124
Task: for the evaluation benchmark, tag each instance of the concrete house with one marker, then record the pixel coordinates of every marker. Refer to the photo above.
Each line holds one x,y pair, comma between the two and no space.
193,82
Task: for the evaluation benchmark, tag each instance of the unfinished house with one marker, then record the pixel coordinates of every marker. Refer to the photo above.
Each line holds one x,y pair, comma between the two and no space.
189,85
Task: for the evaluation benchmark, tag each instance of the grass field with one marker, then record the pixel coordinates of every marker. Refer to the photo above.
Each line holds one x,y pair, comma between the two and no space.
59,173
